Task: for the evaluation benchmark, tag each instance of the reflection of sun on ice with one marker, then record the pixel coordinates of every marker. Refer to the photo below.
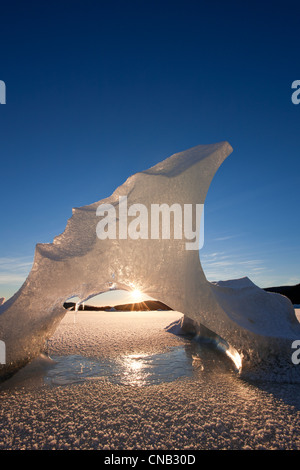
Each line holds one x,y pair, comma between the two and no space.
235,357
134,362
135,369
136,295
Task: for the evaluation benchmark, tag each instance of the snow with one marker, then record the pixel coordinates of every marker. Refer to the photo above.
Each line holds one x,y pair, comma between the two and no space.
214,409
257,326
100,332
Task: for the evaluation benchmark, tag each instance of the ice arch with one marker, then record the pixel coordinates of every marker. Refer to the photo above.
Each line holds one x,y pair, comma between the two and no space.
260,326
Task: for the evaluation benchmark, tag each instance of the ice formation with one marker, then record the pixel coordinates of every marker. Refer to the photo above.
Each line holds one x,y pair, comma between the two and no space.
254,327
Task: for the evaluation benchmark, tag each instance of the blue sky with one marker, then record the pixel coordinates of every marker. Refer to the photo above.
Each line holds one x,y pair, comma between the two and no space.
97,91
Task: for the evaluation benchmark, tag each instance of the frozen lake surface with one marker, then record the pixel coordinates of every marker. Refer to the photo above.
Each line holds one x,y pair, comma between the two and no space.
137,369
182,359
133,369
118,380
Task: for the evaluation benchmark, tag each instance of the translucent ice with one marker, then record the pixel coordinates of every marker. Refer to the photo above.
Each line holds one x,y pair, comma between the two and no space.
257,328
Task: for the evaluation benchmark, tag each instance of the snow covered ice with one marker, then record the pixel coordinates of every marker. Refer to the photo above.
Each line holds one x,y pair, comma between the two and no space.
255,328
210,409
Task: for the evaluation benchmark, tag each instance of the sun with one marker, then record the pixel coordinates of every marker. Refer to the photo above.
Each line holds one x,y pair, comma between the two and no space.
136,295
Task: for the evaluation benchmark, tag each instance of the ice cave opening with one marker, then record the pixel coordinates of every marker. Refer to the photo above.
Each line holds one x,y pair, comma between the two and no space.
120,300
115,300
120,336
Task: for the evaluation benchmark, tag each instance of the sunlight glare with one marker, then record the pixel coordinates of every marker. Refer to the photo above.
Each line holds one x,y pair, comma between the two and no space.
136,295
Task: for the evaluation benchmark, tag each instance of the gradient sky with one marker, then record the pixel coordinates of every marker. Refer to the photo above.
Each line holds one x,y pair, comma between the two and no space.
97,91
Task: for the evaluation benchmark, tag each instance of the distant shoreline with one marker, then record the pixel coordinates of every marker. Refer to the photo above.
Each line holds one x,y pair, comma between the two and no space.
147,305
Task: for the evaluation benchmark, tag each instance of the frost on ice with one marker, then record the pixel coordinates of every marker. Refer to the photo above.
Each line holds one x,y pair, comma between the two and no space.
255,328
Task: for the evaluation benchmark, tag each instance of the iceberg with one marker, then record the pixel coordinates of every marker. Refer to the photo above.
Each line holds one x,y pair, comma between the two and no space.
254,328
